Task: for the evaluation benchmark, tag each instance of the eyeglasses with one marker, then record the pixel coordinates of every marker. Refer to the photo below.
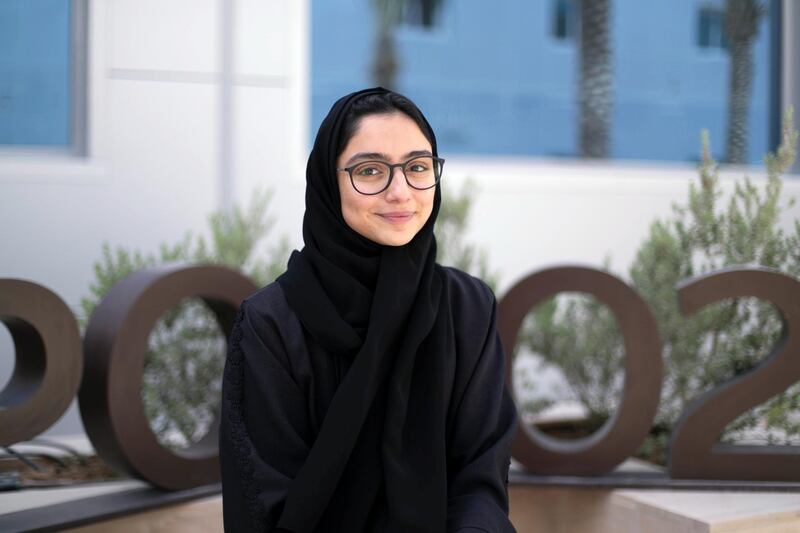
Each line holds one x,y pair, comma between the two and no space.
373,177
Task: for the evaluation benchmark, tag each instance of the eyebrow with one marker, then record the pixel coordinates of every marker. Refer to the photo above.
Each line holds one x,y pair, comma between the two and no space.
383,157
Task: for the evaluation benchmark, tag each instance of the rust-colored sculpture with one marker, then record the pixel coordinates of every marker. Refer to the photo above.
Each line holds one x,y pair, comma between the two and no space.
115,344
49,366
48,361
694,450
621,434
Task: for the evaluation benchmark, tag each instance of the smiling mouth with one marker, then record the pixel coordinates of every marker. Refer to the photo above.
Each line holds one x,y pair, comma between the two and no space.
397,217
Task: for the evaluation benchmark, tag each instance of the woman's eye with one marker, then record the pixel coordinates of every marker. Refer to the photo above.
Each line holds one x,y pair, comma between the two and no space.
368,171
418,167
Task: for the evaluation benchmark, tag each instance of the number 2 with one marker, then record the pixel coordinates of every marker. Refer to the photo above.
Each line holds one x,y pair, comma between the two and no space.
694,450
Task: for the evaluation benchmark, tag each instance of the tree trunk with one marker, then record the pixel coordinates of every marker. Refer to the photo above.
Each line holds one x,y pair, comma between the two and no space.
385,63
741,73
384,67
594,93
741,28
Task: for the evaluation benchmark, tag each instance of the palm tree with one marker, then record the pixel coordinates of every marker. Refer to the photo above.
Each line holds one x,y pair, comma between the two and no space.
594,91
388,14
741,28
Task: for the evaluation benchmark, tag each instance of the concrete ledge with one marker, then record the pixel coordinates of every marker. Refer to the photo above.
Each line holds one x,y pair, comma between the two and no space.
575,510
534,509
97,504
199,516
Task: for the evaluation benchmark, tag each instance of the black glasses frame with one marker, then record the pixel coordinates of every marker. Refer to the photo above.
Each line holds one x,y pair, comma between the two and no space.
438,164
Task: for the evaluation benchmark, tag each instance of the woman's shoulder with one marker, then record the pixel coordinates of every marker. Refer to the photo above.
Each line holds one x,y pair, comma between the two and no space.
465,285
473,309
268,301
469,295
267,315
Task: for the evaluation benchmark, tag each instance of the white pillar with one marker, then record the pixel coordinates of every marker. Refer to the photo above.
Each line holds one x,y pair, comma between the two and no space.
226,129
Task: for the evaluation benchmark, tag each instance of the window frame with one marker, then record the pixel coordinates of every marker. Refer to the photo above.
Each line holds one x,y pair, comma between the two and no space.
720,42
436,17
438,33
571,22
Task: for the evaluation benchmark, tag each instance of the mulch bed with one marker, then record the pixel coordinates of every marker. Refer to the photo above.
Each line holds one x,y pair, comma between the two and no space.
52,473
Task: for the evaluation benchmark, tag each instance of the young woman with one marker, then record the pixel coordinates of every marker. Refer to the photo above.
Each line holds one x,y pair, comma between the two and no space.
364,389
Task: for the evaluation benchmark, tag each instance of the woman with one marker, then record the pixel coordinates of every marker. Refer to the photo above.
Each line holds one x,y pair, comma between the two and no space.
364,389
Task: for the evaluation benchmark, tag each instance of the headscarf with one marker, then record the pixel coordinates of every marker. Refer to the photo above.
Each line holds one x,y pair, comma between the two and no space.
374,460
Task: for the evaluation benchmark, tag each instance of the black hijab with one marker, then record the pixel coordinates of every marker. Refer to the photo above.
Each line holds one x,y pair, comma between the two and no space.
374,464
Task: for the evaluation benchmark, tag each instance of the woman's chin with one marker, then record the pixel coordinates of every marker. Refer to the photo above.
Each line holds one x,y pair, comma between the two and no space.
396,241
393,238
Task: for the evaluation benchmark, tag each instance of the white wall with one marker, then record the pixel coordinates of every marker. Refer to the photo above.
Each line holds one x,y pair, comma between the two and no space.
156,74
532,213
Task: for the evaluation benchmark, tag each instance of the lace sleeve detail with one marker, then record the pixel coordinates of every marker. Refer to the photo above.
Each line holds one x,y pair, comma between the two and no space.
233,379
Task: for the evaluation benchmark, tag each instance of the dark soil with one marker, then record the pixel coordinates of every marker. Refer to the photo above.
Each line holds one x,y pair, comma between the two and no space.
51,473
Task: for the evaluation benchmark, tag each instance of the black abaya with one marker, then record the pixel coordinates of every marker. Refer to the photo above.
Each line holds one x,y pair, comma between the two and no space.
279,383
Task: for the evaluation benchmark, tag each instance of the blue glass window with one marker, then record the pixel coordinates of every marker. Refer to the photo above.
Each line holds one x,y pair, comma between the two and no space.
35,83
507,81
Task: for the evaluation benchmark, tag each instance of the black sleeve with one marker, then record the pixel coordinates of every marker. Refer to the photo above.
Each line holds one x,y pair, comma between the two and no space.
480,441
264,430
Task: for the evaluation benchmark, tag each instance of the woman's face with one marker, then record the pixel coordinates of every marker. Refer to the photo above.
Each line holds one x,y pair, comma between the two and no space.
395,215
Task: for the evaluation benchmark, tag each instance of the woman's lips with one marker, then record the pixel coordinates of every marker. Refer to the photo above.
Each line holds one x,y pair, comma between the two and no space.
397,217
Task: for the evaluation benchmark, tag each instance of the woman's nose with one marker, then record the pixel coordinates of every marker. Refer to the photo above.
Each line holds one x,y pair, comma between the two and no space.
398,188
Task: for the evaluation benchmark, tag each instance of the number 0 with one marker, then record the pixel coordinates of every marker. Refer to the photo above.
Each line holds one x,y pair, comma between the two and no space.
622,434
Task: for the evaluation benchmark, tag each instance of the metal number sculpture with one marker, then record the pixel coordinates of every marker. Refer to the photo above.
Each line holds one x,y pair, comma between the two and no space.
694,450
621,434
49,367
115,346
48,361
